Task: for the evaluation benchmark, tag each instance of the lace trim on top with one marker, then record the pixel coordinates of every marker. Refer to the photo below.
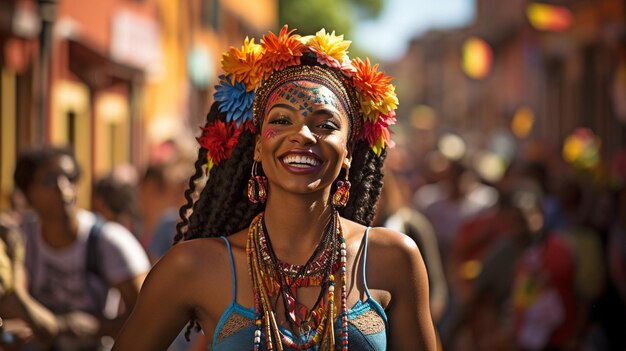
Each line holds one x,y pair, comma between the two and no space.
234,324
368,323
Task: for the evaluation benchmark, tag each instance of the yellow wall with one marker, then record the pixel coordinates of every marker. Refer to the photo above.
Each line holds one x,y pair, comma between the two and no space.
7,152
262,15
72,96
112,117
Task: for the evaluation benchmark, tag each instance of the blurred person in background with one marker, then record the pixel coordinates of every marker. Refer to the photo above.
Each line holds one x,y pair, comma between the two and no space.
392,212
15,331
71,260
114,197
483,321
454,199
160,196
545,316
540,172
587,246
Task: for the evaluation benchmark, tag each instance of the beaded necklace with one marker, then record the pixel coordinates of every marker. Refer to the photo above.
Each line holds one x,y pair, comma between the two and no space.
272,278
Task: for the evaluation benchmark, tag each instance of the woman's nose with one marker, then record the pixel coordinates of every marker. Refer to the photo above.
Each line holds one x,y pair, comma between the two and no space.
304,135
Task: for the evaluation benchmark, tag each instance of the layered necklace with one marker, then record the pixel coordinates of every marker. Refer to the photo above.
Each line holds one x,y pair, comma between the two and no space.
273,280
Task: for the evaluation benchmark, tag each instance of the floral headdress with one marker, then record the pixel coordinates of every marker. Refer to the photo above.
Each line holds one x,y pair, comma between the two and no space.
247,71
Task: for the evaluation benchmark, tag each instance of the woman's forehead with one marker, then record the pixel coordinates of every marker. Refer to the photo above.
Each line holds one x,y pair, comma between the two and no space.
305,95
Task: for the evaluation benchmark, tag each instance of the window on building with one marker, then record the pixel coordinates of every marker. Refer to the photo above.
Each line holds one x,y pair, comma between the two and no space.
71,128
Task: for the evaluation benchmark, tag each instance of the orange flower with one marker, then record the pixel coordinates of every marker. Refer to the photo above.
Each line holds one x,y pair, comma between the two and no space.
282,51
369,81
243,65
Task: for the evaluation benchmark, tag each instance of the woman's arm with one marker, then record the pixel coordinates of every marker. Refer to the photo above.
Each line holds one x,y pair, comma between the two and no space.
164,304
410,322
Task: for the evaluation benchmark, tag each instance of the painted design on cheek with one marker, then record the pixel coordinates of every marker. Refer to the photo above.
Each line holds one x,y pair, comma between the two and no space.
269,134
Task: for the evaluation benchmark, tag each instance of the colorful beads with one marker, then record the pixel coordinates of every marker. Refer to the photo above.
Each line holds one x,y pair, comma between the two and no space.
273,280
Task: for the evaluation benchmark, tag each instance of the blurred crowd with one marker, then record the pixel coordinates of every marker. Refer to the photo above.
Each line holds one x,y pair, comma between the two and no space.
69,277
533,260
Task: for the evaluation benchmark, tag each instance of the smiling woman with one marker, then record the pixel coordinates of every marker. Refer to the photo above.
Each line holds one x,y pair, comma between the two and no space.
293,148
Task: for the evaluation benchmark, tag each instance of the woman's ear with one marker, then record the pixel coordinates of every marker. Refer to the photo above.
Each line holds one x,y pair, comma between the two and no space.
257,148
347,162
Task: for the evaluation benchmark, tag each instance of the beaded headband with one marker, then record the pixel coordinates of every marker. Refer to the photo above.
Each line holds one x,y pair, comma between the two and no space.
252,72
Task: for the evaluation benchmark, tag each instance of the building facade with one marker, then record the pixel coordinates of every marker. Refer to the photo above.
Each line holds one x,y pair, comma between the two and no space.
112,78
568,77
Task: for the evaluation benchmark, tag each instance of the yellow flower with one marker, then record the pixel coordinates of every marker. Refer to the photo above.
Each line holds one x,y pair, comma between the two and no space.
379,146
243,65
329,48
372,109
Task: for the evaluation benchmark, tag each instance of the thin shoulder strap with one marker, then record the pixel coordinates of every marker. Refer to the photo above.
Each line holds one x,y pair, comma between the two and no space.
367,292
232,268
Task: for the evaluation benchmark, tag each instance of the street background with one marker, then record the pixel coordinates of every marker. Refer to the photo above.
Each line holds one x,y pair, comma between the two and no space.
494,96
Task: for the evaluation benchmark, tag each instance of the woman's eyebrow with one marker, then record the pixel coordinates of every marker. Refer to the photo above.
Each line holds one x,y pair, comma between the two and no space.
286,106
327,111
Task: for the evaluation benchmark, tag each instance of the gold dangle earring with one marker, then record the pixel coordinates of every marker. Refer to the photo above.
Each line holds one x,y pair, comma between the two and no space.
257,186
342,194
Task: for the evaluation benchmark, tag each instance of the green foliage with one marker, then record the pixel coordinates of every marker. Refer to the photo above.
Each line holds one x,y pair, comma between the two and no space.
309,16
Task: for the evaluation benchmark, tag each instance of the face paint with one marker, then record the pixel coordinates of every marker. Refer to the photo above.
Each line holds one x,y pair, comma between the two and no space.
303,95
269,134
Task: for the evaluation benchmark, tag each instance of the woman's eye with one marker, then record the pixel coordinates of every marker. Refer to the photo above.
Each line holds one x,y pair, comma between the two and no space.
329,125
280,120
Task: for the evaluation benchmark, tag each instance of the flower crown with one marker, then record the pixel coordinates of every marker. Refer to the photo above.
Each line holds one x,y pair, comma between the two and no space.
246,69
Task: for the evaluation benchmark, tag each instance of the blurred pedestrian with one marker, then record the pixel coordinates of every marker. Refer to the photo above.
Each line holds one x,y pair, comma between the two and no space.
160,196
114,197
392,212
483,319
73,259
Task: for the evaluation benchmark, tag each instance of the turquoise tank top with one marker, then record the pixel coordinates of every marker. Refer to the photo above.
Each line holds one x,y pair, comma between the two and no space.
367,321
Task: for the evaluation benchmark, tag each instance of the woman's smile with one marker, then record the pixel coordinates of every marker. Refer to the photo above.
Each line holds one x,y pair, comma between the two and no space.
301,161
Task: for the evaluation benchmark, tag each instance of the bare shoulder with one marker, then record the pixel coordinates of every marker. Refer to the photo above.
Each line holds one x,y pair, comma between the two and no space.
392,258
381,238
195,265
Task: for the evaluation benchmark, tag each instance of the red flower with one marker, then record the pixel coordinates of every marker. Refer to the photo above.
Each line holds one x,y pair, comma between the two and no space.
377,133
219,139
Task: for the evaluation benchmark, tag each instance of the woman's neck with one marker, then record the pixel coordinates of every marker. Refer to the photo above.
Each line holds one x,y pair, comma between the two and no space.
295,225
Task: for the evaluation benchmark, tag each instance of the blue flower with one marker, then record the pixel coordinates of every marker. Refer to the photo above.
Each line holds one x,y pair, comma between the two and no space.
234,100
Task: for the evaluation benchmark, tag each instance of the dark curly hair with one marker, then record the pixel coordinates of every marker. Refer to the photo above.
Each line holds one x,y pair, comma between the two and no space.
222,206
30,161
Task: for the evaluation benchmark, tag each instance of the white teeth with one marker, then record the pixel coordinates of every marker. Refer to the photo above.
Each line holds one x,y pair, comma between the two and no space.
301,161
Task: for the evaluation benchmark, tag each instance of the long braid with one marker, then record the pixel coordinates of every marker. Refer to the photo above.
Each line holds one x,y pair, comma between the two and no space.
366,175
183,224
